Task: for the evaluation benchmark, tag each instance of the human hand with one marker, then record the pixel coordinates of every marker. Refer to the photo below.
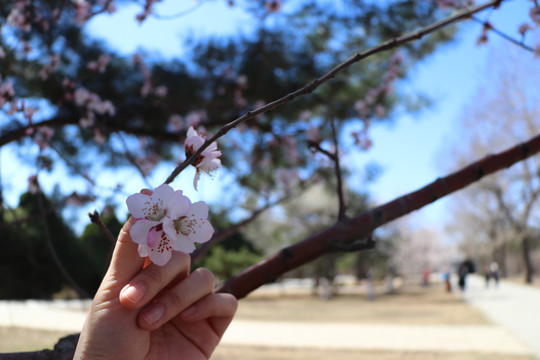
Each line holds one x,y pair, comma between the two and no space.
159,312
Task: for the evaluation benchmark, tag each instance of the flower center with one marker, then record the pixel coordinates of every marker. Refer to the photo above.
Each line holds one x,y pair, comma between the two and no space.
184,225
156,211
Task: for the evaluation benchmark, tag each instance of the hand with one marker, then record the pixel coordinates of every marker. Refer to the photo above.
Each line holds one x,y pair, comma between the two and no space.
160,312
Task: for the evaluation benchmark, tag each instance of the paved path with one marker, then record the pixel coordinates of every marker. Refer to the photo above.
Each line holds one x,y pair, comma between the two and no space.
513,306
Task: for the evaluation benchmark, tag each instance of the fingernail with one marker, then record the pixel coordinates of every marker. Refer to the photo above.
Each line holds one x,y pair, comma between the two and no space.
134,293
153,314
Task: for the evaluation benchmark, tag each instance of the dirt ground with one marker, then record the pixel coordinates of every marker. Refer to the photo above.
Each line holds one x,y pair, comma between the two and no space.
261,353
412,305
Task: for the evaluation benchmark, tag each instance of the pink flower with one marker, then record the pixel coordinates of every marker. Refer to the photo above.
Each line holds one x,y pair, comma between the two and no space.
187,224
208,160
167,222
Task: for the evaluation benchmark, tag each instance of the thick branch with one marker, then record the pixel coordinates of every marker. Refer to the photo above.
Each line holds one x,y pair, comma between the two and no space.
309,88
59,120
348,230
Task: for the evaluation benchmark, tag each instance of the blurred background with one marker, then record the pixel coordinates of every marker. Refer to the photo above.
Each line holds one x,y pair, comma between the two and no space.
96,98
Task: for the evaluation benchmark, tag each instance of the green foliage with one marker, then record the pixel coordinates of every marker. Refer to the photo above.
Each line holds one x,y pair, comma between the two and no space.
98,248
27,260
226,263
25,256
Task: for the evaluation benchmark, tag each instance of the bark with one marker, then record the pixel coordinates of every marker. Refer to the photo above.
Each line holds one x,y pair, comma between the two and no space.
345,233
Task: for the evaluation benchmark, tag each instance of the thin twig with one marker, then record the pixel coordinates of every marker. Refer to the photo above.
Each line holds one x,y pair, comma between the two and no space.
503,35
348,231
133,161
179,14
75,167
337,168
94,217
312,86
48,239
325,152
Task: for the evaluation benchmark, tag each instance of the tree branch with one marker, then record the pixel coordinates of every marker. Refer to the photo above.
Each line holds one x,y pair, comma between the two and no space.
348,230
312,86
503,35
337,168
48,239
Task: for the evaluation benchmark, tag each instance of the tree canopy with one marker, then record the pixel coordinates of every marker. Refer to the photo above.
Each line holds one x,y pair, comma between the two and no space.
69,101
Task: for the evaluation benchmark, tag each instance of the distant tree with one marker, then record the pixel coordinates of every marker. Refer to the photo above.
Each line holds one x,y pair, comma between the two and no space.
37,259
503,208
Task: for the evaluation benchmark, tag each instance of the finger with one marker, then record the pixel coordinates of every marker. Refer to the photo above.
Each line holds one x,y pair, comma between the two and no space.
196,286
152,280
126,261
215,304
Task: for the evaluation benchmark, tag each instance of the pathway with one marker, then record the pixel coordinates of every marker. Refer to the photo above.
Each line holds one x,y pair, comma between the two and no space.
513,306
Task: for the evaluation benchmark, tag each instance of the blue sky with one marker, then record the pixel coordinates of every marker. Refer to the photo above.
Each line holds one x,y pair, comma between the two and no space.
408,150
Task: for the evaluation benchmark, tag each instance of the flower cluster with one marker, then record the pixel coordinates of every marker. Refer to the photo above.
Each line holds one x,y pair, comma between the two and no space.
208,160
93,105
167,221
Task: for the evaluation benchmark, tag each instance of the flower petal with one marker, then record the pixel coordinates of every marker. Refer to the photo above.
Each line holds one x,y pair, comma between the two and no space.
136,203
202,232
196,179
179,207
192,132
153,237
139,230
163,192
199,210
184,244
144,250
162,252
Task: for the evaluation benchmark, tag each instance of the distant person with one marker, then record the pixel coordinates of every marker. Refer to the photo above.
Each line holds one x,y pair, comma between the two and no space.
494,270
465,268
446,279
425,277
487,275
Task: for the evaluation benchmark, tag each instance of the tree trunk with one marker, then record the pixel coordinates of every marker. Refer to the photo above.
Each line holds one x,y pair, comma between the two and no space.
499,255
525,251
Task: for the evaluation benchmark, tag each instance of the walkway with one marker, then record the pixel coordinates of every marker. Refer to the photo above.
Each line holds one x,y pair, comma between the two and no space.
513,306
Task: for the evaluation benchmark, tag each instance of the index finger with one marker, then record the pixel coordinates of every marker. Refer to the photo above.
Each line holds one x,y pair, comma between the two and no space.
126,261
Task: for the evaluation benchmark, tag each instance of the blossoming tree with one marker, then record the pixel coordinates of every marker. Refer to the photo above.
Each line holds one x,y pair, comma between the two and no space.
290,94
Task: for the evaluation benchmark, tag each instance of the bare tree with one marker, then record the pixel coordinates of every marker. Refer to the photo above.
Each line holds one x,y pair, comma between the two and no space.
502,208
